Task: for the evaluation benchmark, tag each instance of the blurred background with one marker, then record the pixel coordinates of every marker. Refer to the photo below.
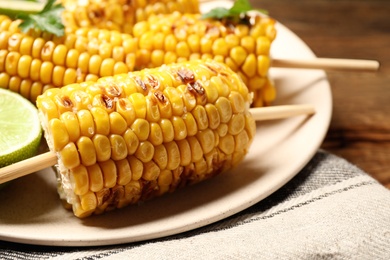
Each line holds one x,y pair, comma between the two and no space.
353,29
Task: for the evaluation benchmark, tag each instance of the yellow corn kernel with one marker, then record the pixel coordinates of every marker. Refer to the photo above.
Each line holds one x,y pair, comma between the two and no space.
11,63
46,72
25,87
227,144
167,130
236,124
156,134
237,102
109,173
87,125
170,57
152,111
165,178
80,180
14,84
200,115
185,152
125,108
24,65
175,100
95,178
179,128
145,151
101,120
60,135
102,146
206,139
137,168
191,125
249,66
139,103
70,156
118,147
160,156
263,45
263,64
4,80
123,172
141,128
131,140
118,124
196,149
238,55
86,150
213,116
173,155
88,203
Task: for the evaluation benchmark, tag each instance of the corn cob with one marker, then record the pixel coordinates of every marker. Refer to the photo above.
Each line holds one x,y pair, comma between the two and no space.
31,63
244,47
131,137
119,15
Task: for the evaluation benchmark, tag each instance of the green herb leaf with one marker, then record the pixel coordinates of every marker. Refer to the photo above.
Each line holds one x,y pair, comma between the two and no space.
219,13
239,7
49,19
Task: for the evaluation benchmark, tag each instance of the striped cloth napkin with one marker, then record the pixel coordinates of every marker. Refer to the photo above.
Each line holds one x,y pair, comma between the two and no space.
330,210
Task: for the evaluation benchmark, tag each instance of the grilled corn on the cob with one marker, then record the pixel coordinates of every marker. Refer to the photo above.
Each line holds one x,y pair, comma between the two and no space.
33,62
119,15
132,137
244,47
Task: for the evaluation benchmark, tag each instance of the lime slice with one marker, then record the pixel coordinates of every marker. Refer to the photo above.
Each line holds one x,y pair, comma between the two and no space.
20,129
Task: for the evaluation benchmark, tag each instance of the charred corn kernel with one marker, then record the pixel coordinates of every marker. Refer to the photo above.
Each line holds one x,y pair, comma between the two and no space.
115,147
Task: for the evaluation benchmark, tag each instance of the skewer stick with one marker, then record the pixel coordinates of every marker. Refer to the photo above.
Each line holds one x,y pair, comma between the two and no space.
327,64
48,159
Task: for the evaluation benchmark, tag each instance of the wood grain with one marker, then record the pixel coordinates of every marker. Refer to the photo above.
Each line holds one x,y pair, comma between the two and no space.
356,29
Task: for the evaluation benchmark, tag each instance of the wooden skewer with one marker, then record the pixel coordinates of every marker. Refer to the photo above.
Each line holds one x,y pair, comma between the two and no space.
327,64
49,159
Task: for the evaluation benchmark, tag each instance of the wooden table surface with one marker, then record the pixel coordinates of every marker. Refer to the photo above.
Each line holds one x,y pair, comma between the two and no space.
356,29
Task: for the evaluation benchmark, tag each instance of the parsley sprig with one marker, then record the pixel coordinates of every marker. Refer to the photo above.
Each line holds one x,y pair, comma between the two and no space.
239,8
48,19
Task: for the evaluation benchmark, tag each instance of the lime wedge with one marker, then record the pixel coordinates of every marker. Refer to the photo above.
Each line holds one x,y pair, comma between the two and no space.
20,129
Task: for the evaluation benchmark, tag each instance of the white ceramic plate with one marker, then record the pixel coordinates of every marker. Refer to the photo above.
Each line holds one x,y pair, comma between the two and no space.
30,211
